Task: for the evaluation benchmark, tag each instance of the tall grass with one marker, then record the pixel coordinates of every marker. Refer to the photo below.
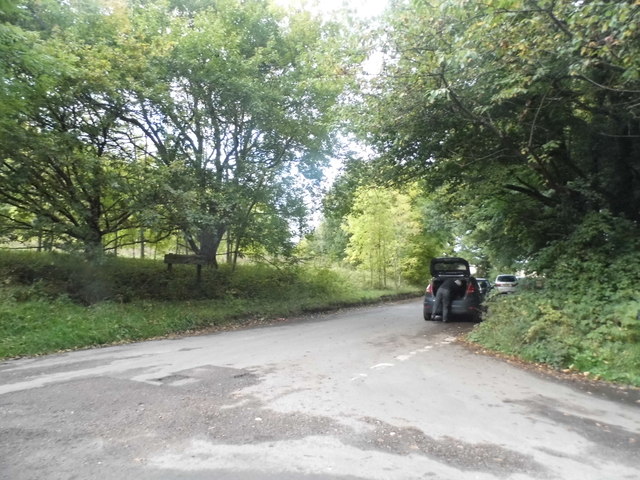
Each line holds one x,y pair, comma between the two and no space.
52,302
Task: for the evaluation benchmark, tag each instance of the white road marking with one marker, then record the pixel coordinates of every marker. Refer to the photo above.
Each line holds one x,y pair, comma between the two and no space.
401,358
412,353
381,365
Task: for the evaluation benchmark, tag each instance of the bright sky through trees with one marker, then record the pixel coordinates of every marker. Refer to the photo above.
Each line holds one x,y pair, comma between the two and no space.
363,8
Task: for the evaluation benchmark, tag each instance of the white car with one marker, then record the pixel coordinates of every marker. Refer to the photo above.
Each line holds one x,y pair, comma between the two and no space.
506,284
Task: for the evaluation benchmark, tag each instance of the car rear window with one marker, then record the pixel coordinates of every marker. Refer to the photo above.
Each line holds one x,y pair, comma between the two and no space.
506,278
450,267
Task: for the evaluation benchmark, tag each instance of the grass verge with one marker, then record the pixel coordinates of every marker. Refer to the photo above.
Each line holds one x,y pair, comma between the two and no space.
55,303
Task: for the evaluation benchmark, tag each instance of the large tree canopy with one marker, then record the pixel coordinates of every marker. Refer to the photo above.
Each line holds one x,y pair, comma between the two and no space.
528,110
238,95
187,116
60,165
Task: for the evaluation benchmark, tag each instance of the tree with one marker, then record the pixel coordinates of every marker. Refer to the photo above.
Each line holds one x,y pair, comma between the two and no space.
238,97
527,109
329,239
62,172
188,117
380,226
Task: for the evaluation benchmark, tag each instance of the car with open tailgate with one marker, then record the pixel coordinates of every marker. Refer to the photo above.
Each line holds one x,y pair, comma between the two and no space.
468,304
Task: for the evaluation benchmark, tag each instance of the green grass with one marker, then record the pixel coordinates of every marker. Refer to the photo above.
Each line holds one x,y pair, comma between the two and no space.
52,303
37,327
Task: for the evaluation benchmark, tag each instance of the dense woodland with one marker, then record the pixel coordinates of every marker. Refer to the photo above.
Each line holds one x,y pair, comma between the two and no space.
504,131
504,126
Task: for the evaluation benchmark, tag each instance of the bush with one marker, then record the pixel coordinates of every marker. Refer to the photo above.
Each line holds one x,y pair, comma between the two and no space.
51,275
51,302
587,315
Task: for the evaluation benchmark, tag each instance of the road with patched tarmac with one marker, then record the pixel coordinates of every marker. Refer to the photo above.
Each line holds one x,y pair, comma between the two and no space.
366,393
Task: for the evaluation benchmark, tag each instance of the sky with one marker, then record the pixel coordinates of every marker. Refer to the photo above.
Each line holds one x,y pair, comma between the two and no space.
364,8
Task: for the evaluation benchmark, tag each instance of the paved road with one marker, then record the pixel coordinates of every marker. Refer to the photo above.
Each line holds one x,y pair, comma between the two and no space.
370,393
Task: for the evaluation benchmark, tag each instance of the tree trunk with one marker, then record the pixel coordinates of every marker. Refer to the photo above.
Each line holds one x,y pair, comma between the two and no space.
210,239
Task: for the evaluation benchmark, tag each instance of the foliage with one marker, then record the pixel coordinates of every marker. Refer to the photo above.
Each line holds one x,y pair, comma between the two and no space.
258,93
327,243
402,214
210,119
527,109
329,240
43,305
587,316
379,225
42,276
51,276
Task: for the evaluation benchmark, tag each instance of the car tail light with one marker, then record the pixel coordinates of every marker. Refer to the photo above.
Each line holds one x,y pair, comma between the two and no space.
429,289
471,288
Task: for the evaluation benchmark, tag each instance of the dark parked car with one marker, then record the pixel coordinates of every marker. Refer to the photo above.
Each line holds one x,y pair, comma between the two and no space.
467,305
484,286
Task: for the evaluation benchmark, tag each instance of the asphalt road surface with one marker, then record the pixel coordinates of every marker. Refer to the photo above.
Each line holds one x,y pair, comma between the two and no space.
367,393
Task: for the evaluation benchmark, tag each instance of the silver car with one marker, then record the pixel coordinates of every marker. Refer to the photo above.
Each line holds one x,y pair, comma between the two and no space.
506,283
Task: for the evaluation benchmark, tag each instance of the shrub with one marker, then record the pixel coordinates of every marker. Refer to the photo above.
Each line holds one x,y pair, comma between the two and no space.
52,302
587,315
52,275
